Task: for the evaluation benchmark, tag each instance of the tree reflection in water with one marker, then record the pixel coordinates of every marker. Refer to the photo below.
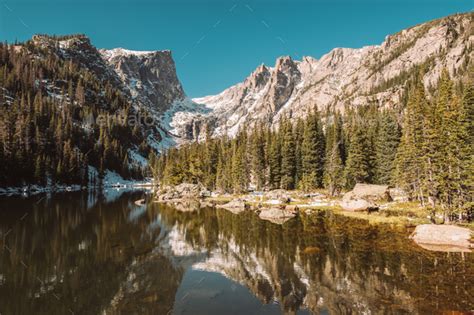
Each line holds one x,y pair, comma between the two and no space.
90,255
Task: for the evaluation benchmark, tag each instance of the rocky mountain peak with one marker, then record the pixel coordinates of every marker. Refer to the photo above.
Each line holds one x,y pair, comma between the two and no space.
345,76
149,76
259,77
285,64
283,81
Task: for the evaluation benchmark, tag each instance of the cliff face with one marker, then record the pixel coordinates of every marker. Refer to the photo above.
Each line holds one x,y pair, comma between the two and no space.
344,76
148,76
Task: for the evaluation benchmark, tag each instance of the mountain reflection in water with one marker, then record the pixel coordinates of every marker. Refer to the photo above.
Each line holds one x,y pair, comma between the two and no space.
79,253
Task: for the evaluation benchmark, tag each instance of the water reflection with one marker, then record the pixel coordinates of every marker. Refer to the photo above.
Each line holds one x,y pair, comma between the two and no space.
96,255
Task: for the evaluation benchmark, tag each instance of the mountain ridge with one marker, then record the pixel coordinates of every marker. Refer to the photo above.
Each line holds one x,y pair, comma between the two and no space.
342,77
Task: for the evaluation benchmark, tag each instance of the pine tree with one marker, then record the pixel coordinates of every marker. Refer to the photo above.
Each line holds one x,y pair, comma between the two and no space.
333,167
386,148
313,151
258,158
358,165
288,158
467,121
274,161
409,170
298,135
239,168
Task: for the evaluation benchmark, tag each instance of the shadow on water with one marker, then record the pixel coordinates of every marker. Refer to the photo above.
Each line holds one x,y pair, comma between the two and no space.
79,253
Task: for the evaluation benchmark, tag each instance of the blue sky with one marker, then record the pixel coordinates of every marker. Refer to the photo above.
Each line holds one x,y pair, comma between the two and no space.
218,43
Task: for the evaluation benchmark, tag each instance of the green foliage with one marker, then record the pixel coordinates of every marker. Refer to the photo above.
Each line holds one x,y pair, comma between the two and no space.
387,142
334,167
288,157
358,166
431,157
49,130
313,152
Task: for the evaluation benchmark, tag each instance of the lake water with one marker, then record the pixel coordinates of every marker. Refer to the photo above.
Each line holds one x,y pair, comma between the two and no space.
80,253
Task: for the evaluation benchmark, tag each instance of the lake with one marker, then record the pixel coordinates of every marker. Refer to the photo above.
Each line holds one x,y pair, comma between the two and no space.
91,253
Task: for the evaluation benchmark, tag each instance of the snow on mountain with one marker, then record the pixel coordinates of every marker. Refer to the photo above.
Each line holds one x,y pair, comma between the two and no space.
342,77
149,76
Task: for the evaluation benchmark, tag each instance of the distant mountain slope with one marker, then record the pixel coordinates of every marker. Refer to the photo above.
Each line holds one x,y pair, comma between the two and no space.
344,76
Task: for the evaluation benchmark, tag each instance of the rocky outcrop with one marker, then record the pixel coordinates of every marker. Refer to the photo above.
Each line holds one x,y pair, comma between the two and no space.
365,197
149,76
448,238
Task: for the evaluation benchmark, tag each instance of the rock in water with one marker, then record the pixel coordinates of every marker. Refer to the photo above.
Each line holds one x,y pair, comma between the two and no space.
235,206
278,215
448,238
350,204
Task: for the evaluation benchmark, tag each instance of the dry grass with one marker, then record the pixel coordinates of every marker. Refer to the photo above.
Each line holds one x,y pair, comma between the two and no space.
394,213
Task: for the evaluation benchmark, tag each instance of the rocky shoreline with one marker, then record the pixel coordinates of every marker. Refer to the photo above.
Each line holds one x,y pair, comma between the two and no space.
279,206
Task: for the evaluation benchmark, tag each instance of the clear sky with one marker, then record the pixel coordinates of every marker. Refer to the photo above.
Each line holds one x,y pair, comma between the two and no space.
218,43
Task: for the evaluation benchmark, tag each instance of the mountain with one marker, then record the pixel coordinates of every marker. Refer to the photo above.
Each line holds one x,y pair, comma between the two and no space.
74,107
343,77
73,84
148,76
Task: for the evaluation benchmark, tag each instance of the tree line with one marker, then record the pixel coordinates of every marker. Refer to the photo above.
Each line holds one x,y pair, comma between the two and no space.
425,147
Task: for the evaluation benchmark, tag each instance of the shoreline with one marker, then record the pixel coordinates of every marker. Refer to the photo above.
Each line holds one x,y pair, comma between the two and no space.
33,190
281,206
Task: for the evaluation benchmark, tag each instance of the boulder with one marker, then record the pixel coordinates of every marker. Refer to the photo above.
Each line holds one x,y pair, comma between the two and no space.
278,215
183,191
279,194
235,206
447,238
398,195
350,202
364,197
371,192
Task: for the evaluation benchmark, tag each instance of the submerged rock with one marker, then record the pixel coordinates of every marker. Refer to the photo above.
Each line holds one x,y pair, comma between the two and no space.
350,204
235,206
279,215
448,238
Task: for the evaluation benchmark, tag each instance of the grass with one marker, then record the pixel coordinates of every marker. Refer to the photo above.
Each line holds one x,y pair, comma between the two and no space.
402,214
